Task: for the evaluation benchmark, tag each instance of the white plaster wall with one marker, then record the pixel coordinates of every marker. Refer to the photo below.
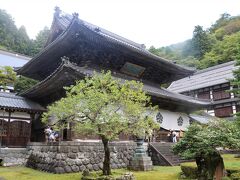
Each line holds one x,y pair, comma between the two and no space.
15,114
20,114
170,120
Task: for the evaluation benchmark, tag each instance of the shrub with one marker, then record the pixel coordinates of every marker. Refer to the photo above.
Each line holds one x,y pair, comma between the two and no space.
231,171
235,176
189,170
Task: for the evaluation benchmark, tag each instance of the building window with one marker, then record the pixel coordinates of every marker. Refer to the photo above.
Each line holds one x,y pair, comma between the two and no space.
204,95
223,112
180,121
159,118
221,94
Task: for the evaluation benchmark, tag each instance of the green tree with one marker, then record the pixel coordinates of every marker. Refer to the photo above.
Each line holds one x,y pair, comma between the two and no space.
7,76
22,41
200,142
104,106
223,51
222,21
201,42
40,41
8,30
23,83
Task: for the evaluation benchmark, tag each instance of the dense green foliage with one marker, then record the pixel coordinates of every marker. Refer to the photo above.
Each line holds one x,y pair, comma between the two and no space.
23,83
200,142
7,76
16,39
232,167
104,106
218,44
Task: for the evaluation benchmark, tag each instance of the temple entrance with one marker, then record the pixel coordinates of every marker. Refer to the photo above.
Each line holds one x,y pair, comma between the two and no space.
15,133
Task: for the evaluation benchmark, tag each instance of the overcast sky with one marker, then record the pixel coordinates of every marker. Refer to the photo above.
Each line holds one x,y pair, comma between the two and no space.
149,22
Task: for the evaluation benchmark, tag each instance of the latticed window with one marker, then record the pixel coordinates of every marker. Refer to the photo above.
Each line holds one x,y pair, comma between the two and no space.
159,117
180,121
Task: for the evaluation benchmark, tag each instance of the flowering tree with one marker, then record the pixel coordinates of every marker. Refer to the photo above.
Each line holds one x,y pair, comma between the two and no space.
104,106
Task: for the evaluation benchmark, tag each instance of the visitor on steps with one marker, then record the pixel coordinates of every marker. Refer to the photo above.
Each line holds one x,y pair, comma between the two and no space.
174,136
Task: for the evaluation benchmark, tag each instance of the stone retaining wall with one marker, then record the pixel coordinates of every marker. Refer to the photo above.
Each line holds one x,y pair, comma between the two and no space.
13,156
66,157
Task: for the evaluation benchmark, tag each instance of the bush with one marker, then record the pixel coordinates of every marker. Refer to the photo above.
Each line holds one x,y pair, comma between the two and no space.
231,171
235,176
189,170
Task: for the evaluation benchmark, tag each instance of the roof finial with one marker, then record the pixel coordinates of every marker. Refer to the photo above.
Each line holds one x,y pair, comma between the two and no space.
57,11
75,14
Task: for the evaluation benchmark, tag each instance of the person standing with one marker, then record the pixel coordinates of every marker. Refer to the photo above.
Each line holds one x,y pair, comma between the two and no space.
174,136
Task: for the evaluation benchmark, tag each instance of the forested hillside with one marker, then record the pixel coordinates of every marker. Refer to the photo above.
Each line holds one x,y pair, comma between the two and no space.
217,44
16,39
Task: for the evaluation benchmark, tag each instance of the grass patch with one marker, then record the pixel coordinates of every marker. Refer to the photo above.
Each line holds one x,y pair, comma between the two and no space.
24,173
158,173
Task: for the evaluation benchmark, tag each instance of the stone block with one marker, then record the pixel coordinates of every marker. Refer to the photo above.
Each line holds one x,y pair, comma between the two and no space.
75,149
59,170
82,168
72,155
75,168
96,167
68,169
89,167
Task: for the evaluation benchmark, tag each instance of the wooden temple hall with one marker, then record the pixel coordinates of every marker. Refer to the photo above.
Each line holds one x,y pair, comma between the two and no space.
16,119
76,48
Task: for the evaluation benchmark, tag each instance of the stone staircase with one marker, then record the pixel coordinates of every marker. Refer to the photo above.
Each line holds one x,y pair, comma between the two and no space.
161,154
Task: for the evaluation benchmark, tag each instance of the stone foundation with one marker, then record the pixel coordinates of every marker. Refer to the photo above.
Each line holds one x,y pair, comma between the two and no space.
66,157
13,156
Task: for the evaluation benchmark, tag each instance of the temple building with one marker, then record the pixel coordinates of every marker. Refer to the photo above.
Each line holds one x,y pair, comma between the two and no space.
212,84
75,49
16,117
16,113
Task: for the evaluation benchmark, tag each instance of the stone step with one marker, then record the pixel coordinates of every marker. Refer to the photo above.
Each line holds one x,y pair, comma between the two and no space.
165,150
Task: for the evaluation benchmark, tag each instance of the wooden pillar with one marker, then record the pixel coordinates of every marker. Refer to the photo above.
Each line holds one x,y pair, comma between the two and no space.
32,116
8,128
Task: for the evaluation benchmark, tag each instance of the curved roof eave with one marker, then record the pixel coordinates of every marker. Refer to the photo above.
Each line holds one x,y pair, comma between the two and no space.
48,48
149,56
67,66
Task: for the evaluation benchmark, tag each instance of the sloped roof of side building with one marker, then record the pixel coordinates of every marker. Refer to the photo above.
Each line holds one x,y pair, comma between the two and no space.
205,78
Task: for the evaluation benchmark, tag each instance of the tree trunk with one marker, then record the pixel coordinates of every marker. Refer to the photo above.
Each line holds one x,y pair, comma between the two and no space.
202,170
210,165
106,162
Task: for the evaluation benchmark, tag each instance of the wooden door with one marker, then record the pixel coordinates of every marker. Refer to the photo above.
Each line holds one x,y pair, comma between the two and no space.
19,133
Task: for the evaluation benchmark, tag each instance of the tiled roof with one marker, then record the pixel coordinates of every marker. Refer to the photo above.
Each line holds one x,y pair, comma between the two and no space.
205,78
64,71
61,42
12,59
13,101
200,118
164,93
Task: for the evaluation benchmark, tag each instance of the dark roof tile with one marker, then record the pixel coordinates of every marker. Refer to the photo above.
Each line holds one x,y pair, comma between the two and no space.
13,101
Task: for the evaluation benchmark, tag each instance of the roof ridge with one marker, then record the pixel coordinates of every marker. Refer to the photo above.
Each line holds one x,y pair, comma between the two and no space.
214,67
